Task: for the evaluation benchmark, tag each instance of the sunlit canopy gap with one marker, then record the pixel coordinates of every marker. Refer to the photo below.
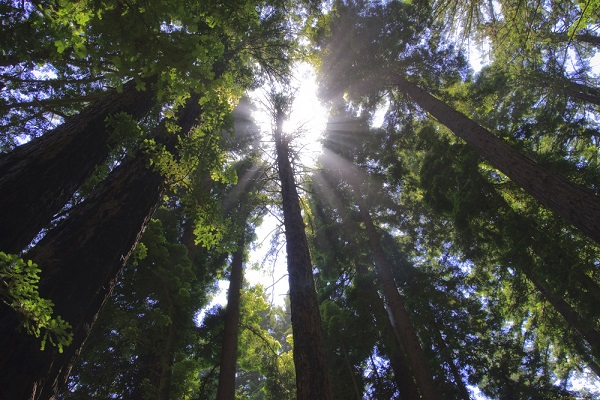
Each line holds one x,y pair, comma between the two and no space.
305,124
306,121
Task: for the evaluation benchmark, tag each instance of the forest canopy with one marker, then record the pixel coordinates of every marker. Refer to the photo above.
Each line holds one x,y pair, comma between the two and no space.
443,245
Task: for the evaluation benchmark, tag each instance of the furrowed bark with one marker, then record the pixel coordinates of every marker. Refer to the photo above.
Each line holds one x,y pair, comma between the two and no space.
81,259
39,177
312,376
575,204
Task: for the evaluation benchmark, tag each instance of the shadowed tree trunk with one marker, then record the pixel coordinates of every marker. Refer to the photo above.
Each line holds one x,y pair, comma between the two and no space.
584,37
580,91
312,376
447,355
582,327
38,178
80,261
238,196
226,387
399,317
403,376
575,204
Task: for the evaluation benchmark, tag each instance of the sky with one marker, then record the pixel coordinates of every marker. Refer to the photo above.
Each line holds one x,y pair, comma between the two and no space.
309,116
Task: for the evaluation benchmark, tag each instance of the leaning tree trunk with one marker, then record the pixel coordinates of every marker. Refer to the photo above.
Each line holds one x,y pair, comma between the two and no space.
80,260
449,358
575,204
407,335
403,376
312,374
573,319
38,178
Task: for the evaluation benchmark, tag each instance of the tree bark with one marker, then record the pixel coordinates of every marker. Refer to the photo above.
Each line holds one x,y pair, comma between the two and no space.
587,333
399,317
38,178
80,260
403,376
312,376
226,387
575,204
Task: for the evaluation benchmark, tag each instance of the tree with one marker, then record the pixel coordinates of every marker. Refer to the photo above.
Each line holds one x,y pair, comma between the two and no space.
573,203
99,234
229,348
140,345
56,165
397,310
312,380
400,319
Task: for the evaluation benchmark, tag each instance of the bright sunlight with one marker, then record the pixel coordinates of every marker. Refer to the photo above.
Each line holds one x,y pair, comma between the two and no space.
307,120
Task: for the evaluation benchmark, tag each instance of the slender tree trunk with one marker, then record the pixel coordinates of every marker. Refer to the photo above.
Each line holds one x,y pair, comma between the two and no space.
357,392
226,387
38,178
580,37
403,376
312,374
399,317
580,91
589,334
166,352
576,205
443,346
80,260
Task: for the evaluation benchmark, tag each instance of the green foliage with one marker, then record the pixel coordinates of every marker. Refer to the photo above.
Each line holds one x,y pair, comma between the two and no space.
19,291
265,359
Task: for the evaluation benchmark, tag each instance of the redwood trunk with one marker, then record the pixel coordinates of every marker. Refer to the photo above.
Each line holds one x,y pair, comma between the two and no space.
575,204
80,260
403,376
226,388
312,374
399,317
38,178
590,335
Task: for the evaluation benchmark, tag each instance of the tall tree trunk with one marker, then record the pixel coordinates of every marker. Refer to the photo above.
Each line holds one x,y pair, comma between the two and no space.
238,196
580,91
575,204
399,317
226,387
403,376
80,260
446,354
589,334
312,376
39,177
